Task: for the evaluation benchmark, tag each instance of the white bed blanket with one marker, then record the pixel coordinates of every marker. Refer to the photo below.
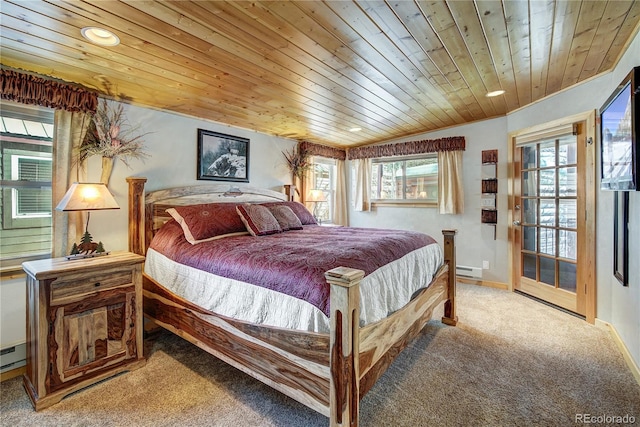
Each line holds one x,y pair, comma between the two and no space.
382,292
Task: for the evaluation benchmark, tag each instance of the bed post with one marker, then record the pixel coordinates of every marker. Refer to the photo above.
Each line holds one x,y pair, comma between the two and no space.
290,191
136,215
450,317
344,388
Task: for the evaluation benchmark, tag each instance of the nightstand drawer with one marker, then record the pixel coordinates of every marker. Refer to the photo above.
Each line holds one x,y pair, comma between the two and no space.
63,290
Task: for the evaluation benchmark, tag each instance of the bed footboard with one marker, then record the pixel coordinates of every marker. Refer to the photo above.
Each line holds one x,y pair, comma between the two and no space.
359,356
344,394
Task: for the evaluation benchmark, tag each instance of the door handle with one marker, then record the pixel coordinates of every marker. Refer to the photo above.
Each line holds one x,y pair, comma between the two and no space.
516,223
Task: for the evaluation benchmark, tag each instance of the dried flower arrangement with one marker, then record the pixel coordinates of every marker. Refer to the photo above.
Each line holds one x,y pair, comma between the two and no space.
110,136
297,161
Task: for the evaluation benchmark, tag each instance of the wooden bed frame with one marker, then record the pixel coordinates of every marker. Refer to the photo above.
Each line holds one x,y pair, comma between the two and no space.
329,373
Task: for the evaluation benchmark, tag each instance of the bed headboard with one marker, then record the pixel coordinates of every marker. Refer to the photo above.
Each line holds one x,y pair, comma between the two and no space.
147,212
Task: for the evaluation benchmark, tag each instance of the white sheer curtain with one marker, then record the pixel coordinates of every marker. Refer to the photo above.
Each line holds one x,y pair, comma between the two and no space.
450,186
340,215
70,129
362,197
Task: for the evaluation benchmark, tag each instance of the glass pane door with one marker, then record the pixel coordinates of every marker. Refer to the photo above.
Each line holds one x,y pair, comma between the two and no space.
548,179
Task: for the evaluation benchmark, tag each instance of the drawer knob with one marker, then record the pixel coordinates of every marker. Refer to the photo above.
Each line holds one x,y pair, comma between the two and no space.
96,284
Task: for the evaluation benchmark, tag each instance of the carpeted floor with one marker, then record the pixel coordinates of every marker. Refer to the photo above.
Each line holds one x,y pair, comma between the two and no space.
510,362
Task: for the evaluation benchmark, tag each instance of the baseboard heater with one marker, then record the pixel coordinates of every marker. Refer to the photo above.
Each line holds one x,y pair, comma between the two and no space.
469,272
13,357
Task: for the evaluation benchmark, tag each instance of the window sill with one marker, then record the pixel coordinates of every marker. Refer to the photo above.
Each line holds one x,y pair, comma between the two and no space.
7,273
12,268
404,203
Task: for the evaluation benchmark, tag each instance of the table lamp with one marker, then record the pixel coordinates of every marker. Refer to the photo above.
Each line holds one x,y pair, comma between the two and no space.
316,196
87,196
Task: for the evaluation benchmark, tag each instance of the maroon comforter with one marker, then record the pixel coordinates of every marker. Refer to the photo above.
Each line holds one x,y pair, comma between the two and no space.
293,262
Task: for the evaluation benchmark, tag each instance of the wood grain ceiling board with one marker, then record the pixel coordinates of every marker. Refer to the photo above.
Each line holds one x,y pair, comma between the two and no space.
315,69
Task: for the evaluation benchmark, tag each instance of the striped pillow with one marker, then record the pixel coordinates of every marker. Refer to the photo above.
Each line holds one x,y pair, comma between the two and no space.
301,211
286,218
258,220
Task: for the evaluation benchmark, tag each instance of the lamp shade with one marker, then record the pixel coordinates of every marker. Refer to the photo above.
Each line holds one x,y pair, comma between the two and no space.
87,196
316,196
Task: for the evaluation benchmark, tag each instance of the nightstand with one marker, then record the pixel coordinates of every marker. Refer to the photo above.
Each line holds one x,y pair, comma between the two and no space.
84,323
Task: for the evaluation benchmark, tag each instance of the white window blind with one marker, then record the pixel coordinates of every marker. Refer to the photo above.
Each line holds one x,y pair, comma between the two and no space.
30,199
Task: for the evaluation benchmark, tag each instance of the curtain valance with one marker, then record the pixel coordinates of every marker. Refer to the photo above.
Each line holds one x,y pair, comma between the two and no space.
454,143
29,89
323,150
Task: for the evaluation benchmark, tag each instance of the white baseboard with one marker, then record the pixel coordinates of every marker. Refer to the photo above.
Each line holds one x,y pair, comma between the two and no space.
13,357
487,283
635,370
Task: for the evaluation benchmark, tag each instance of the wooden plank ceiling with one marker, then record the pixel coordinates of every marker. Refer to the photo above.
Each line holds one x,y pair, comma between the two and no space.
314,70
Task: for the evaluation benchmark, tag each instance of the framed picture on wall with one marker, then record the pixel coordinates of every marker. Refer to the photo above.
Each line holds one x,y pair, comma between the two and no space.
222,157
621,237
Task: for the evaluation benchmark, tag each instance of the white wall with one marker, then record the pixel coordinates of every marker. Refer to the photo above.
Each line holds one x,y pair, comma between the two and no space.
475,240
618,305
13,312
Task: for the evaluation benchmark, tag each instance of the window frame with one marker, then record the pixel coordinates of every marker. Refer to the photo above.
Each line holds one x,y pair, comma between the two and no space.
27,184
21,145
376,201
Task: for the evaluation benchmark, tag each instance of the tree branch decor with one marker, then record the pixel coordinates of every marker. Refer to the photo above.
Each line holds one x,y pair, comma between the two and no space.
111,136
297,161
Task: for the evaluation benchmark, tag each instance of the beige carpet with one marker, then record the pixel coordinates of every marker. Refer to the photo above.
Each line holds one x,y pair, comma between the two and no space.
510,362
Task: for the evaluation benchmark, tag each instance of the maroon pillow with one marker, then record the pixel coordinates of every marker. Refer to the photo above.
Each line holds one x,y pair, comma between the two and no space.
208,221
259,220
298,208
286,218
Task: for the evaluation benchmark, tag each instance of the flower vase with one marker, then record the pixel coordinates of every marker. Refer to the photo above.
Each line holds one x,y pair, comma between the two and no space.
107,167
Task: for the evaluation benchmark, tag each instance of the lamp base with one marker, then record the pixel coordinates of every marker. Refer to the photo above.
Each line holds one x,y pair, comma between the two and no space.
83,256
87,248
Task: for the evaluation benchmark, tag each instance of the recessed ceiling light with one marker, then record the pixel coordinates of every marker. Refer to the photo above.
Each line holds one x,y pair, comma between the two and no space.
355,129
495,93
100,36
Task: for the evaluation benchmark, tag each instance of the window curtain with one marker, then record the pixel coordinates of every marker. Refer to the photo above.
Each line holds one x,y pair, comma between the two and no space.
307,184
30,89
452,143
363,185
340,206
339,154
450,187
70,129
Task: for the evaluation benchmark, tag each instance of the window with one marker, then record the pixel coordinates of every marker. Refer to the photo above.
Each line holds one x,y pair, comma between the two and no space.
31,200
26,133
405,179
323,178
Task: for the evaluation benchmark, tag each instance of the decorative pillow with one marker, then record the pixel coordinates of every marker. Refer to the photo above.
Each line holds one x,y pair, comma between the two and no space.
286,218
258,220
298,208
201,223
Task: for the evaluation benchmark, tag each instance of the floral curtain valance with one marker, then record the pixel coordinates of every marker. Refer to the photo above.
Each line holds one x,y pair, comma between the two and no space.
29,89
454,143
323,150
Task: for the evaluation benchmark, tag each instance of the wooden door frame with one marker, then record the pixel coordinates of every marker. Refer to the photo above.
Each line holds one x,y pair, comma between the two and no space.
587,252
